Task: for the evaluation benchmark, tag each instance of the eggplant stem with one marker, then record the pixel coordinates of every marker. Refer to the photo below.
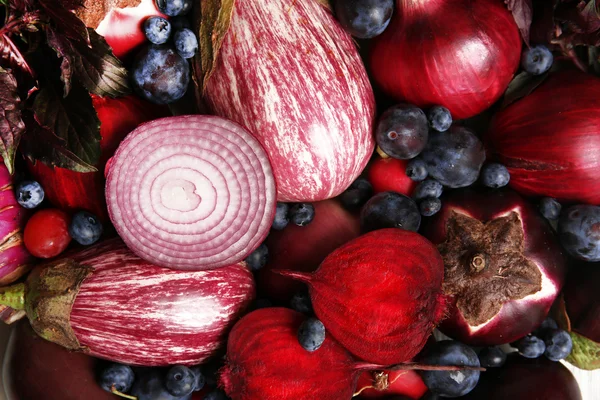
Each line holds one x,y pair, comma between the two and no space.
13,296
114,390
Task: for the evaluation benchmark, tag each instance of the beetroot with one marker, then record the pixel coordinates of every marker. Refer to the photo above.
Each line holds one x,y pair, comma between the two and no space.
379,295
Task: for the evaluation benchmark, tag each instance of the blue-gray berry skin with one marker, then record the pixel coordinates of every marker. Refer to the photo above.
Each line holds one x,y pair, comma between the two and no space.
302,214
450,383
186,43
547,325
180,22
579,232
174,8
558,344
495,175
430,206
359,192
149,385
428,188
364,19
537,59
159,74
301,302
281,219
311,334
119,376
402,131
200,379
492,357
439,118
390,210
85,228
550,208
180,381
530,346
29,194
416,169
157,29
455,157
258,258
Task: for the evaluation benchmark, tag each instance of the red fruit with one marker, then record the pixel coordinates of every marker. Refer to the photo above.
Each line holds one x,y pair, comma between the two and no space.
47,233
504,266
461,54
379,295
389,174
70,190
291,75
304,248
377,384
550,147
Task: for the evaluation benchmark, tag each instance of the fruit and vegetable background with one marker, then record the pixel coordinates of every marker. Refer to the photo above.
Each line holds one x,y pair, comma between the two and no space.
284,199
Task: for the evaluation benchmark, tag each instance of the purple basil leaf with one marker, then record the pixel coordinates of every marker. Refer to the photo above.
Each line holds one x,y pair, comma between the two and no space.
65,21
11,124
522,85
522,11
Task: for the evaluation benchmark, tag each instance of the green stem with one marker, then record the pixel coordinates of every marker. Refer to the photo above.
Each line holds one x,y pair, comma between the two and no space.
13,296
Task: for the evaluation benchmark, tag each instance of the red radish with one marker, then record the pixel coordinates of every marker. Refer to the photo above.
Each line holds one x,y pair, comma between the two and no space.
550,147
377,384
204,198
461,54
288,72
70,190
504,266
111,304
379,295
389,174
304,248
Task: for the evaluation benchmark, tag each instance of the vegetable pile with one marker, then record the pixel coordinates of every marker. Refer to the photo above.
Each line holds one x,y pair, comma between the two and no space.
282,199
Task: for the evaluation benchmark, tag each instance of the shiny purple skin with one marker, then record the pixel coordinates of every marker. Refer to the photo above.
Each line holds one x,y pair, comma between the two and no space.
516,318
132,312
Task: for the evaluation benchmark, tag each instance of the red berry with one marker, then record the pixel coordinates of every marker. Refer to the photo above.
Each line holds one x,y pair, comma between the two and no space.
47,233
389,174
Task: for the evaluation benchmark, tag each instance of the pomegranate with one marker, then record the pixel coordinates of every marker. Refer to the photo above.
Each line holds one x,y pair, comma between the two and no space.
550,147
503,265
461,54
389,174
379,295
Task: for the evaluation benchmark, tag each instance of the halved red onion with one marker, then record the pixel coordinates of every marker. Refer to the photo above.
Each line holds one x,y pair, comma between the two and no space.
191,192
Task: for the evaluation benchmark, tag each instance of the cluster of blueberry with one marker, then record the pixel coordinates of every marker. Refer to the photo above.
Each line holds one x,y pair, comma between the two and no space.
161,72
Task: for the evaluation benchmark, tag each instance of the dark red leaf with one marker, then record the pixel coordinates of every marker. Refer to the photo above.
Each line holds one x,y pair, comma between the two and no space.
522,11
522,85
65,21
11,124
63,48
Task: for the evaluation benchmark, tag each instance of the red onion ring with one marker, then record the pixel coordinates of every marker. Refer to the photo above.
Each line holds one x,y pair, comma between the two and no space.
191,192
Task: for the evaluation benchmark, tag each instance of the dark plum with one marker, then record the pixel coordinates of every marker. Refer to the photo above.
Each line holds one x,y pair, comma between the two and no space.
150,385
258,258
281,216
550,208
186,43
579,232
428,188
157,29
416,169
430,206
439,118
117,376
495,175
364,19
455,157
159,74
402,131
302,214
530,346
311,334
390,210
180,380
174,8
558,344
450,383
537,59
359,192
492,357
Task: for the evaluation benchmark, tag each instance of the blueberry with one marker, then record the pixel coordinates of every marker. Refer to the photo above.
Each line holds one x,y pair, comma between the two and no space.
159,74
302,214
537,59
430,206
199,379
416,169
492,357
439,118
311,334
495,175
530,346
558,344
301,302
390,210
217,394
186,43
30,194
364,18
180,22
450,383
550,208
455,157
150,385
428,188
402,131
119,376
281,216
174,8
579,231
180,381
258,258
85,228
157,30
359,192
547,325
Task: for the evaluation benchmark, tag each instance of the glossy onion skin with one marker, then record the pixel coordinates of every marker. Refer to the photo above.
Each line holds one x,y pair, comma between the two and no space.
461,54
516,318
136,313
552,148
291,75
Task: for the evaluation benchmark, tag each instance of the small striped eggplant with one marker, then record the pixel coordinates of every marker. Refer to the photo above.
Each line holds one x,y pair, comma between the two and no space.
109,303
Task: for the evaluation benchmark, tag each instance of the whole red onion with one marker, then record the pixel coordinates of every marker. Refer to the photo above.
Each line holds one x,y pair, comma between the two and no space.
550,139
461,54
191,192
503,265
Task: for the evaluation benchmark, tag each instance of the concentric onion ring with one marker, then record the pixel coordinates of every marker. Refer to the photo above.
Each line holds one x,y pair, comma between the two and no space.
191,192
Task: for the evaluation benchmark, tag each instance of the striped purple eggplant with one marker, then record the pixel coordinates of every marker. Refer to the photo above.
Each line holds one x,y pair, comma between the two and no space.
111,304
289,73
